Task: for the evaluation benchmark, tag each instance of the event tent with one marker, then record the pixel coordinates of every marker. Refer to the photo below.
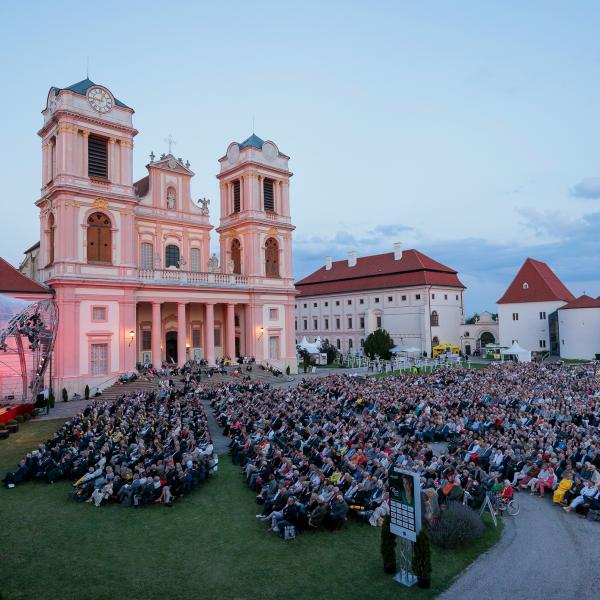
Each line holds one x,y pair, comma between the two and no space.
405,350
516,350
310,347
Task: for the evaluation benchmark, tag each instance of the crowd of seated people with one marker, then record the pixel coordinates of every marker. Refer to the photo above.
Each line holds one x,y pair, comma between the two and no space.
143,448
336,438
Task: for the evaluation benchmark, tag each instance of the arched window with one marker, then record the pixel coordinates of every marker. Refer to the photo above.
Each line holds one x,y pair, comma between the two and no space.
435,341
350,344
147,256
195,260
236,256
435,319
171,256
272,258
51,226
99,238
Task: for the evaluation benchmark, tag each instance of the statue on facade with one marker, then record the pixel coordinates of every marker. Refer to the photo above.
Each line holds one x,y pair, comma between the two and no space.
204,202
213,263
171,199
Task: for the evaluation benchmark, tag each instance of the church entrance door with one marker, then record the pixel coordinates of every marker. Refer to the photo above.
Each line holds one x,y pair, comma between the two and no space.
171,347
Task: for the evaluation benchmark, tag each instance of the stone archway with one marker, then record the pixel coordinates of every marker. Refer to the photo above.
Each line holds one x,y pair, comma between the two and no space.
486,338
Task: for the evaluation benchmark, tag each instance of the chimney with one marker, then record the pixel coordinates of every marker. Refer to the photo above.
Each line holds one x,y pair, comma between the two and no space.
397,250
352,258
328,263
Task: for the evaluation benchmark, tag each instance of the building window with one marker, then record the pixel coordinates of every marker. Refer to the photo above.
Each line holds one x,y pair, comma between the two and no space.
99,313
274,347
195,260
361,322
326,303
467,334
349,322
304,305
349,302
525,286
217,336
268,198
305,323
542,343
51,227
361,301
147,256
97,157
99,359
337,323
338,344
315,324
296,324
435,341
236,256
237,205
350,344
515,316
171,256
326,323
314,305
146,339
272,258
417,296
378,322
273,314
445,296
376,300
337,302
457,296
196,338
362,342
433,296
435,319
403,298
99,238
390,298
542,315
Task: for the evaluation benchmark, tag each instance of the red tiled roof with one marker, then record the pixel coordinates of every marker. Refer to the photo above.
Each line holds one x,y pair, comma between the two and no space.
142,186
11,281
584,301
379,271
542,285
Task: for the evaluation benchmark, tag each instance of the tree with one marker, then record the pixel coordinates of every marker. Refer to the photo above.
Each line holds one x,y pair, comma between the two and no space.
379,343
305,356
421,560
330,350
65,395
472,320
388,546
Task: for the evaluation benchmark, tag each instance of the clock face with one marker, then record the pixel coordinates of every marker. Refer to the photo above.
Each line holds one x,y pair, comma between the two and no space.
100,99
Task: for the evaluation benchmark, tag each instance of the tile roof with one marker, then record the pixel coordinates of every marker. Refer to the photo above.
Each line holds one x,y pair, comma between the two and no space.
379,271
583,301
81,87
11,281
142,186
535,282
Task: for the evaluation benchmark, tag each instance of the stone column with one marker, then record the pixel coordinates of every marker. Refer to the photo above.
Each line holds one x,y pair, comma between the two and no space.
249,326
230,334
209,333
181,334
156,335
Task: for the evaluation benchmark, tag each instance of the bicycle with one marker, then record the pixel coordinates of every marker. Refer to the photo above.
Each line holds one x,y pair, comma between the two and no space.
511,507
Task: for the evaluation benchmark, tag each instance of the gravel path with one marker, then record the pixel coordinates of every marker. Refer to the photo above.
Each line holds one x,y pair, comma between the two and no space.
220,442
544,553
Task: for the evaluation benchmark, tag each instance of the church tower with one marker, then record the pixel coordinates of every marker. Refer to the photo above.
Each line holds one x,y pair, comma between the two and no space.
255,229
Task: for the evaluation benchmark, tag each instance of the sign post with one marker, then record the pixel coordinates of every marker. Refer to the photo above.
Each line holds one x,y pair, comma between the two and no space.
405,514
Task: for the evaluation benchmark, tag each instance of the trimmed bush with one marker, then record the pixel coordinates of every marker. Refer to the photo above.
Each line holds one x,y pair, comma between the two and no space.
457,526
65,395
421,560
26,416
287,370
51,400
86,393
388,546
11,422
19,418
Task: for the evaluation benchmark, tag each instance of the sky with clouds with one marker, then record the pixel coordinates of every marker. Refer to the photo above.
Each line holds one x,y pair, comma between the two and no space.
468,130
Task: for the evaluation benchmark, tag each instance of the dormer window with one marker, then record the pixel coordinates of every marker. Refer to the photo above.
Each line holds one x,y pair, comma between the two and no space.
268,197
97,157
525,286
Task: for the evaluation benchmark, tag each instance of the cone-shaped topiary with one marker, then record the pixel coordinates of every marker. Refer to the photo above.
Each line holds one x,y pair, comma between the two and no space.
388,546
421,561
65,395
86,393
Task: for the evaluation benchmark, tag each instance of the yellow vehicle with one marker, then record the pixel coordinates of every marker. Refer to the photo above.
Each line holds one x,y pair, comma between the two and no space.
444,348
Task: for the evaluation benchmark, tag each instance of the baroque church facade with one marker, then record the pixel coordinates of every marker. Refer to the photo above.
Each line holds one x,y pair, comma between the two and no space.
130,262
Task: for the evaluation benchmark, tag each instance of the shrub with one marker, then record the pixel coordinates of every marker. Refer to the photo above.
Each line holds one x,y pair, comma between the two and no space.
287,370
19,418
388,546
379,343
12,422
65,395
2,426
421,560
26,416
51,400
457,526
86,393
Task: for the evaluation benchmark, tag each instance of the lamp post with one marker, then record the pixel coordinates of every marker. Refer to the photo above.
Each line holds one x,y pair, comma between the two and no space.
131,337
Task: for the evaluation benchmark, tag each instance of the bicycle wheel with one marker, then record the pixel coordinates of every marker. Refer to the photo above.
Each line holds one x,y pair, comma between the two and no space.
512,508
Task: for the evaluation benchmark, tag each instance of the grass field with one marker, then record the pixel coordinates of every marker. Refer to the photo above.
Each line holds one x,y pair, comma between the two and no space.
207,546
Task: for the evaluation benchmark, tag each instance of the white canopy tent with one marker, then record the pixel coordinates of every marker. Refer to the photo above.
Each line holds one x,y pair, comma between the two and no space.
405,350
516,350
310,347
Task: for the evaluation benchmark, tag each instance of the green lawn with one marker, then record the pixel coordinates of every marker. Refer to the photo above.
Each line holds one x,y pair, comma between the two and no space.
208,545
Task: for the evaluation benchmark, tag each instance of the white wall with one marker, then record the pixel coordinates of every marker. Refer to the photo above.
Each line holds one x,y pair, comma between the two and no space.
529,329
579,330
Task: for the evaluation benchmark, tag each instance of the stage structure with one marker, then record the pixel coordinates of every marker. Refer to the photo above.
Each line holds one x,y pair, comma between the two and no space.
27,334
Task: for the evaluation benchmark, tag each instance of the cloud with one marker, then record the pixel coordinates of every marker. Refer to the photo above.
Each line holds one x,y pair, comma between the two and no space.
391,229
588,188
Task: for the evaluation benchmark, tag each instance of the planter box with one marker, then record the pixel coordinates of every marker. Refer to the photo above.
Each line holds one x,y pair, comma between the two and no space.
4,434
13,428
